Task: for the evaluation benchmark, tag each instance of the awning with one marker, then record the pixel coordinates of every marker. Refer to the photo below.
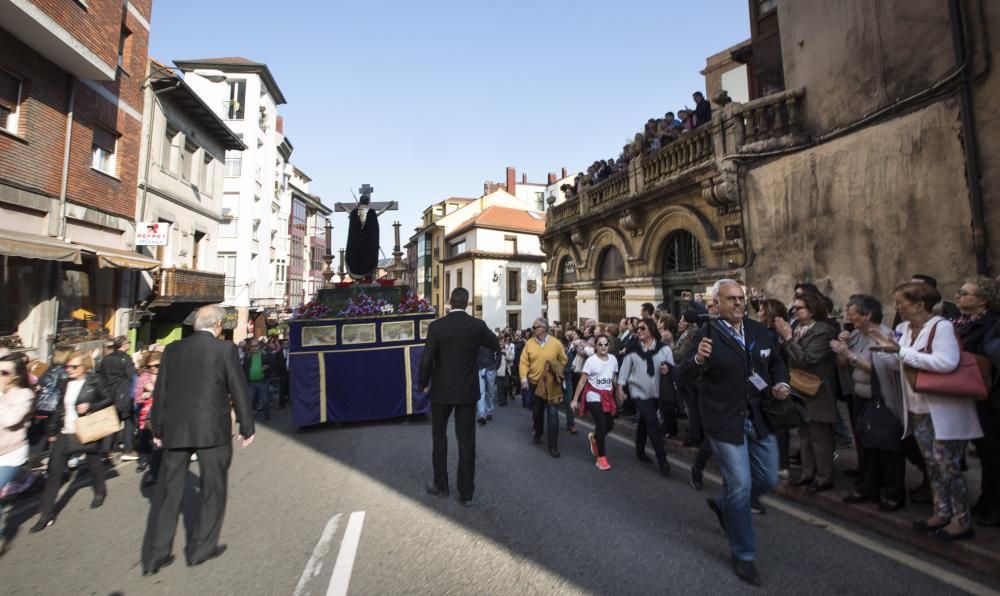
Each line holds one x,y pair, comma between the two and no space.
35,246
119,259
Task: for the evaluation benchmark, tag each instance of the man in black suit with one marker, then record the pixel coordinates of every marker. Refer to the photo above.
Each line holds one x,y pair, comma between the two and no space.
702,109
734,368
449,369
200,383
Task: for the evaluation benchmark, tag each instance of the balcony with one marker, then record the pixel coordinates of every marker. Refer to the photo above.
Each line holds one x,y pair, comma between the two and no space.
190,285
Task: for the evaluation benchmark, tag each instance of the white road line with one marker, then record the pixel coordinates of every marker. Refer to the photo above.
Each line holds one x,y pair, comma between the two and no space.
921,565
315,564
341,577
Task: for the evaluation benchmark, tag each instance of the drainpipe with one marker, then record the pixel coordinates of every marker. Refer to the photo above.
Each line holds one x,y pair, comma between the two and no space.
969,139
57,226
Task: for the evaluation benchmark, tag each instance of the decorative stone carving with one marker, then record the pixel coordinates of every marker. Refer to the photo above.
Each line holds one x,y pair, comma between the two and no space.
632,221
578,238
721,190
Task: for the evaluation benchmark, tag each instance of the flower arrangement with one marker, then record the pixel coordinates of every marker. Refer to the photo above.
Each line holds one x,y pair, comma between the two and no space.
312,310
412,303
364,305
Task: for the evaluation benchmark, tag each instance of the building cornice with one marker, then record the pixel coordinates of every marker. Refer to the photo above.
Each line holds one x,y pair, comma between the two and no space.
184,203
472,255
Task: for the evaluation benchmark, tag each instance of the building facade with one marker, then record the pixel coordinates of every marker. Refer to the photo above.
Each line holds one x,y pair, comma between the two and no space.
71,110
307,241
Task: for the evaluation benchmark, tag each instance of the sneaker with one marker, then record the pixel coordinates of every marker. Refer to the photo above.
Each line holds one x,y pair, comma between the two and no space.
129,456
784,474
75,461
696,480
757,507
593,443
602,464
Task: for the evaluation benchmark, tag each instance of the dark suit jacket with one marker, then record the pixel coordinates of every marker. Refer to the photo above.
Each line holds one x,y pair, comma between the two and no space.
200,382
116,374
449,360
725,395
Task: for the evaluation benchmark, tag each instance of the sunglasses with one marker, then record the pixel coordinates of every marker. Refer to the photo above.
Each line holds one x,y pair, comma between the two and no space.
538,327
74,366
154,366
642,328
602,344
964,292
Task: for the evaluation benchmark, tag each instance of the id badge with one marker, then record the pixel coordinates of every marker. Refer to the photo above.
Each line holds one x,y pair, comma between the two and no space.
757,382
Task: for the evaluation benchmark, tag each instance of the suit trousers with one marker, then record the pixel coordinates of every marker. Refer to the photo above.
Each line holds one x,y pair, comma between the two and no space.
816,443
689,394
168,494
649,426
465,434
65,446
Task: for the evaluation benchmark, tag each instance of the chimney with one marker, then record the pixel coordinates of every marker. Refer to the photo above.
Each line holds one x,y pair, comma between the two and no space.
552,177
511,182
564,172
524,178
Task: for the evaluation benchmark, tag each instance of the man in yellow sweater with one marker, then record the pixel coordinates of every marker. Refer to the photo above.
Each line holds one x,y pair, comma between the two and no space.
542,362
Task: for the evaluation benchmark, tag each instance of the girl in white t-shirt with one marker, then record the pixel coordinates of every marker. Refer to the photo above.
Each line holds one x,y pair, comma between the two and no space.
597,382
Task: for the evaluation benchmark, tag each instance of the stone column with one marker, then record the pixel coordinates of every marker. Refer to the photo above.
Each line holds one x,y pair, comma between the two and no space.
636,295
586,303
552,312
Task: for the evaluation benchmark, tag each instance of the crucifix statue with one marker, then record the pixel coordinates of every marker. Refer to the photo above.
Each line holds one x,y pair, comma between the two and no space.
362,233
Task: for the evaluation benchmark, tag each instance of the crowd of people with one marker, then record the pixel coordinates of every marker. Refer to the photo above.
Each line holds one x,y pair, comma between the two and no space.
656,133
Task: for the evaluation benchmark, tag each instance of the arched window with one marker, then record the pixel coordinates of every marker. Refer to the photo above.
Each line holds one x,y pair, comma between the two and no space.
682,253
567,271
612,265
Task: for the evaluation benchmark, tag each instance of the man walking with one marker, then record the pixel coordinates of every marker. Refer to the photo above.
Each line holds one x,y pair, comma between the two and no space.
256,366
542,363
449,372
117,373
488,361
199,384
734,367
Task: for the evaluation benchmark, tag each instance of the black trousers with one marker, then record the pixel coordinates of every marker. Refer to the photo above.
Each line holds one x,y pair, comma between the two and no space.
168,494
65,446
502,390
603,423
689,395
988,449
465,434
545,419
649,426
880,469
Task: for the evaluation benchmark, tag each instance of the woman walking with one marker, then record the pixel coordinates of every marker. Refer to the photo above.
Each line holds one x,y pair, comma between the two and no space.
646,361
149,456
597,382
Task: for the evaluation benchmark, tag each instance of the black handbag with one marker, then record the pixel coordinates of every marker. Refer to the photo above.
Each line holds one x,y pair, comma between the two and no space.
877,426
784,414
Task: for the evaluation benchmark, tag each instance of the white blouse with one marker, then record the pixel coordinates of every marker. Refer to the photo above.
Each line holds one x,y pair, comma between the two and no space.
69,404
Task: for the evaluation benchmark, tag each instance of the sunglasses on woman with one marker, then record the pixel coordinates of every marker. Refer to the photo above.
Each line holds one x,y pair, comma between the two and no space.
602,344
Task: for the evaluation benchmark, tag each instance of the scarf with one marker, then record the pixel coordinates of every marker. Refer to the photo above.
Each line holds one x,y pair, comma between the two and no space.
647,356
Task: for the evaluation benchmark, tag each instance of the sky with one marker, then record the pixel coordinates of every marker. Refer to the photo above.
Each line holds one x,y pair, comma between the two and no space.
426,100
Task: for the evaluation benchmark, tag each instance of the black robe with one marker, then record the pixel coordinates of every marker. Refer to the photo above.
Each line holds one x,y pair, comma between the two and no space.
362,244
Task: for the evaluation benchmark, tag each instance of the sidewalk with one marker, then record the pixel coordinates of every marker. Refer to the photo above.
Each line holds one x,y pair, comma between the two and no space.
981,554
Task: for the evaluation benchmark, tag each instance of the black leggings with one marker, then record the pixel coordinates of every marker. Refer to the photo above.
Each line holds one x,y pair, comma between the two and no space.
603,423
649,426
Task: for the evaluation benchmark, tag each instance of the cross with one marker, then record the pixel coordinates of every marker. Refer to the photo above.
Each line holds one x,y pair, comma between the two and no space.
367,189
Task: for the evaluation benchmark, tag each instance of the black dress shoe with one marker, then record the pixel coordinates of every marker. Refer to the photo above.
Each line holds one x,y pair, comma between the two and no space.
436,491
641,456
41,524
816,487
718,513
167,560
97,502
554,451
921,525
215,554
943,536
746,571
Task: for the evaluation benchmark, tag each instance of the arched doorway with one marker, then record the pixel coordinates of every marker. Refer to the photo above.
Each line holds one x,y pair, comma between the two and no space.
683,266
611,294
566,275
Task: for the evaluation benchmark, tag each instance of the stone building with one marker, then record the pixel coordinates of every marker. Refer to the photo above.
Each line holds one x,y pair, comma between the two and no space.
852,165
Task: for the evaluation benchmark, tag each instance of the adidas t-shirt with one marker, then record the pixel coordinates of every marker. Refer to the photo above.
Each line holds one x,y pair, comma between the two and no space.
600,374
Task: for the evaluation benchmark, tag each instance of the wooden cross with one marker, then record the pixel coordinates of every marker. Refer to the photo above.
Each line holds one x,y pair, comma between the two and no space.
367,189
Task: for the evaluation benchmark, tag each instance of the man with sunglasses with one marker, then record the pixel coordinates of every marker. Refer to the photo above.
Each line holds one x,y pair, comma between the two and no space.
543,358
735,367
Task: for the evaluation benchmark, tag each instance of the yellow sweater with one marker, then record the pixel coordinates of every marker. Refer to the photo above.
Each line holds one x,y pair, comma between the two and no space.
534,356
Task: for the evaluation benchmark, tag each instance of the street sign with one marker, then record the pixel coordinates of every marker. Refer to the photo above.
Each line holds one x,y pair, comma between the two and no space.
151,233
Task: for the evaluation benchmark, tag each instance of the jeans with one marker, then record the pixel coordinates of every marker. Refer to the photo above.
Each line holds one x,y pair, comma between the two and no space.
543,411
487,392
567,398
260,395
749,471
8,473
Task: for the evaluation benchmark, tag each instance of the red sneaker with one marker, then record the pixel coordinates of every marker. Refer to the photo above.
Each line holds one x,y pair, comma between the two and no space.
602,464
593,443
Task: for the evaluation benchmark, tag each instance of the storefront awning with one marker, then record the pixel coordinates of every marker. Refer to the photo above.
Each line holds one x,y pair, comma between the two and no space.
36,246
119,259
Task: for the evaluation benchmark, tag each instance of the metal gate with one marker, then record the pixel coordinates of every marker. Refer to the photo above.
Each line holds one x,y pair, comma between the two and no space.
567,306
611,305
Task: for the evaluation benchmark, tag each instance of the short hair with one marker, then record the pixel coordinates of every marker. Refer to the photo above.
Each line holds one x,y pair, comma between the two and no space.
120,341
208,317
86,360
698,93
20,370
647,307
866,306
773,309
927,279
989,291
540,321
459,298
717,287
61,355
816,305
921,292
808,287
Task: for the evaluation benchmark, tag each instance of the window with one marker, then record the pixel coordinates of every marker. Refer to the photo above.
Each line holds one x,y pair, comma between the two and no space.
167,152
513,319
103,150
683,253
458,280
125,49
567,274
187,160
234,107
540,201
10,98
513,286
234,165
196,243
456,248
447,284
227,264
510,245
227,229
207,174
612,265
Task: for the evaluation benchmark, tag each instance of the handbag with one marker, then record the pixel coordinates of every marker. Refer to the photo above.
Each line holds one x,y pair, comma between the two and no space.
966,380
877,426
804,382
98,425
784,414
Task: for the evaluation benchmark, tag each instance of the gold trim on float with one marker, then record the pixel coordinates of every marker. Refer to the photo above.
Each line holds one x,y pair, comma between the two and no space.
322,387
409,381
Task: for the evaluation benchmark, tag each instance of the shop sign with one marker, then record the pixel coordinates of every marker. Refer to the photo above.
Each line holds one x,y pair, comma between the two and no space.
151,233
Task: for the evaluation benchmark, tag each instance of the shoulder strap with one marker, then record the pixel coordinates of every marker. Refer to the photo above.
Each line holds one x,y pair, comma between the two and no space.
930,339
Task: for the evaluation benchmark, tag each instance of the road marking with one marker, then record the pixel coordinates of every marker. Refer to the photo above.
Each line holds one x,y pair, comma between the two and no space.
315,564
917,564
341,577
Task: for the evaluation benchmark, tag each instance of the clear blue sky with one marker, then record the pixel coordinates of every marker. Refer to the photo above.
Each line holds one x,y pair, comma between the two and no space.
425,100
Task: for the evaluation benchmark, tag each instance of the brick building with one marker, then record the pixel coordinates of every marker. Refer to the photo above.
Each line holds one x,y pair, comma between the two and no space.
71,76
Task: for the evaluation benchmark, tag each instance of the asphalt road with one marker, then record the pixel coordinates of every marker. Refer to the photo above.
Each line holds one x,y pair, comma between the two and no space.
540,526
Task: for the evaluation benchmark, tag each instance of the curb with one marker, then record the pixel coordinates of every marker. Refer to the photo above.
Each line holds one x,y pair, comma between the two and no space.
966,553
